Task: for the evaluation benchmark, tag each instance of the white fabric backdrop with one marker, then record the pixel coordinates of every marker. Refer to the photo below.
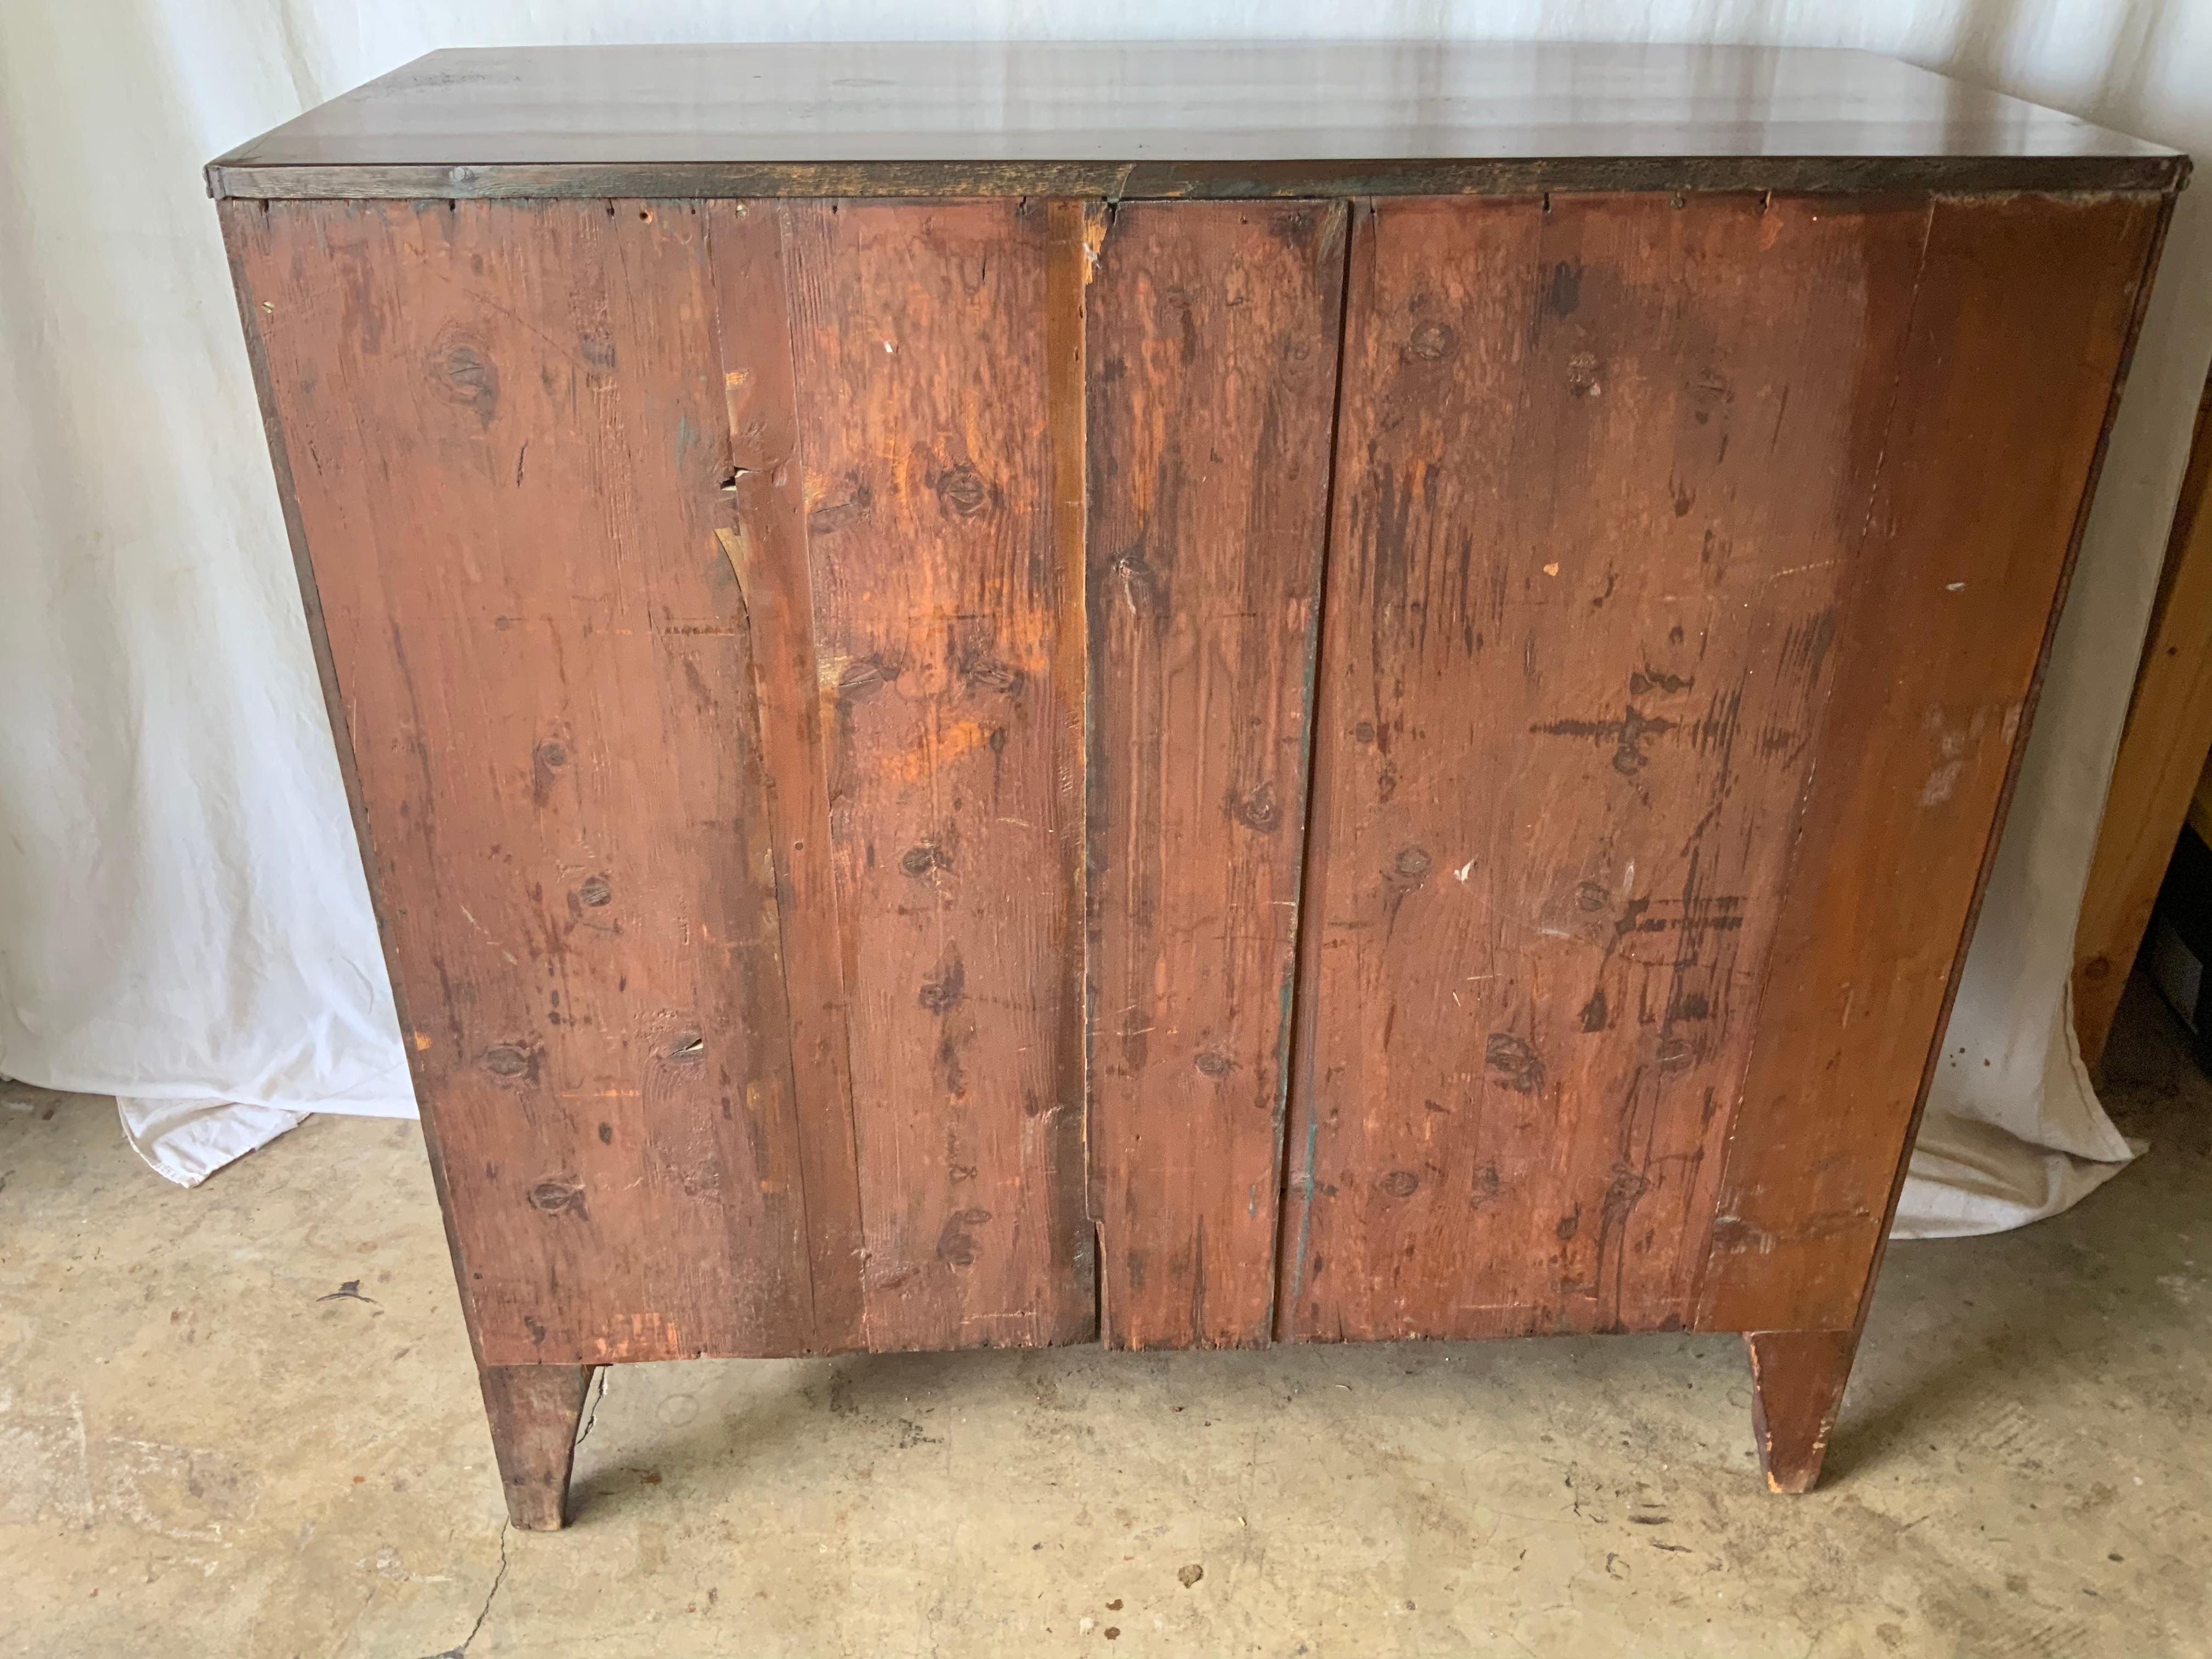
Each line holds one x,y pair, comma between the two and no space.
182,915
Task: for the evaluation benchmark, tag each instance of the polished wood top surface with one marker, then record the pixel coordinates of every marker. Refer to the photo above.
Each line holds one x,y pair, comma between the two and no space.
1169,118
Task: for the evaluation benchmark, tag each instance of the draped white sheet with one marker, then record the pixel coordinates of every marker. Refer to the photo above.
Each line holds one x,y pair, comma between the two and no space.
182,916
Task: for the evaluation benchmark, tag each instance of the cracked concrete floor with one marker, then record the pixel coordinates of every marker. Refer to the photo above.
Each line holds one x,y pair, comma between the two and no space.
242,1421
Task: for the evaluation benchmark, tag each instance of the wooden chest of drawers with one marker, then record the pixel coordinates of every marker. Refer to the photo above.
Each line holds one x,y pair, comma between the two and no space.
1179,697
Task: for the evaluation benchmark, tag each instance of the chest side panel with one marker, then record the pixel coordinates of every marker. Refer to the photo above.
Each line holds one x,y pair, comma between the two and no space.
1603,464
2020,320
502,427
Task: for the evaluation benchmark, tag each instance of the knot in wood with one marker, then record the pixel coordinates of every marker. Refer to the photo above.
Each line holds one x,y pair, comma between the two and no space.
924,858
556,1195
1514,1063
508,1060
1411,865
1433,341
964,491
1256,810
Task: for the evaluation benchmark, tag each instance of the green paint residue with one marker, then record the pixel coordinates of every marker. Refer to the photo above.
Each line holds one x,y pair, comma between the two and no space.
1305,1216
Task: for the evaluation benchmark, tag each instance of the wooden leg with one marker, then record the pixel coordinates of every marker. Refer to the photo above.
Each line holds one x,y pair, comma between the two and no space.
1797,1380
534,1412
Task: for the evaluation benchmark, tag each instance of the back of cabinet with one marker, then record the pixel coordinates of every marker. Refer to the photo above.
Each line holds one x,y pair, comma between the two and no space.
978,772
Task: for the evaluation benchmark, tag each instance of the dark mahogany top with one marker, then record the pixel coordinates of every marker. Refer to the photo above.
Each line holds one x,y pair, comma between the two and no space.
1169,118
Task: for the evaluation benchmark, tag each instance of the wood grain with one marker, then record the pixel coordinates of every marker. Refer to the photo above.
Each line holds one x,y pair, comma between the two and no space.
1212,367
503,429
923,388
2162,753
1603,465
2021,320
1073,230
766,544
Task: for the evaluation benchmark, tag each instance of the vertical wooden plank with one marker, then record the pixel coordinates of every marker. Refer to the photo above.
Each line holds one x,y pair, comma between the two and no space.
1603,462
766,543
1213,353
2024,311
501,424
1073,230
923,378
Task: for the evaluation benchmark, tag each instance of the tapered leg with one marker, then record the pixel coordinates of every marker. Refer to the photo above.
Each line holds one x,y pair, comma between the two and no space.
534,1411
1797,1380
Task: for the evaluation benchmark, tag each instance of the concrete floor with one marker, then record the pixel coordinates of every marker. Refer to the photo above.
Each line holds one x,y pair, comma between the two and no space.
240,1421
